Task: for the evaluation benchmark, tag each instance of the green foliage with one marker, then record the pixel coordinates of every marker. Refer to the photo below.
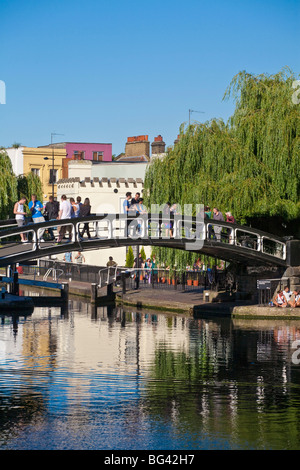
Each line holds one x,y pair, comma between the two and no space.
143,254
28,185
249,165
12,188
8,186
129,258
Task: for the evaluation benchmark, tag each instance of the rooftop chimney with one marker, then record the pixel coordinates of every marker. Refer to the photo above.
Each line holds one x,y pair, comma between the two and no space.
158,146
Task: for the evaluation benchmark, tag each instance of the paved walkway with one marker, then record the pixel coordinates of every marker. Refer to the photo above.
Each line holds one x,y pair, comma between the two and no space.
188,302
165,299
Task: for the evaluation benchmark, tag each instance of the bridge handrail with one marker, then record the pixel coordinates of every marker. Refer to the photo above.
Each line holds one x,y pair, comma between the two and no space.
155,217
234,232
108,268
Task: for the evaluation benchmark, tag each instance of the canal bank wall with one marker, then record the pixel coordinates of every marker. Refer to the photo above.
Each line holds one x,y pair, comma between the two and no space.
192,303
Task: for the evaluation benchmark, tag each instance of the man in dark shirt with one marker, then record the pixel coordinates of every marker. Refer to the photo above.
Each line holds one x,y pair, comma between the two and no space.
134,204
51,213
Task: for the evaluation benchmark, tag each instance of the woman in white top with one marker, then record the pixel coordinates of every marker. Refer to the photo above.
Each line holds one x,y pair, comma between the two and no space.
280,300
20,215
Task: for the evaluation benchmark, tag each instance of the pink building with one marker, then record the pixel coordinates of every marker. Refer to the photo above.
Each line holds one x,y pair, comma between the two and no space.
85,150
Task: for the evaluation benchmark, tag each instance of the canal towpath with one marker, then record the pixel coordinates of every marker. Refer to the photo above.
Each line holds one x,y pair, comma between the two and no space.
191,302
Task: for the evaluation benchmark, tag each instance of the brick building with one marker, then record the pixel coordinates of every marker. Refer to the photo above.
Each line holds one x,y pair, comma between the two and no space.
137,146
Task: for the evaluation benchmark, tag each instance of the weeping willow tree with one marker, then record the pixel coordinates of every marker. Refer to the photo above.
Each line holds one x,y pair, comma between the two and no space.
28,185
12,188
249,165
266,124
8,186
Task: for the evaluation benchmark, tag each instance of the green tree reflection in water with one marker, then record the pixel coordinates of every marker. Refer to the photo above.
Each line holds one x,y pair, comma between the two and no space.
222,388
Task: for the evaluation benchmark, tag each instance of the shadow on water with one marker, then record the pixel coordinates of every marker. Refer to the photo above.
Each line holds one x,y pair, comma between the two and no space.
108,377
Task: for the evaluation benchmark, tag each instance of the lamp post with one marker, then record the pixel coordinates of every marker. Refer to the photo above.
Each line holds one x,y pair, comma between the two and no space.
46,158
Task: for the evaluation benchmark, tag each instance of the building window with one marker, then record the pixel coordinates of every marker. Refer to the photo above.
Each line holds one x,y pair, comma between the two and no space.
53,176
36,171
98,156
79,155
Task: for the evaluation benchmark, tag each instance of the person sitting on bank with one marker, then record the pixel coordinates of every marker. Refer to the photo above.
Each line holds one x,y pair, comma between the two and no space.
280,300
296,301
287,293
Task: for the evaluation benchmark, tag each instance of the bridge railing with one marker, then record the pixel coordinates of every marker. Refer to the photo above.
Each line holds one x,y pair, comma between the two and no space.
87,230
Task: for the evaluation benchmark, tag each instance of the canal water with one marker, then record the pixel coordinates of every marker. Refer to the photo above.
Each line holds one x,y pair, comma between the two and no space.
121,379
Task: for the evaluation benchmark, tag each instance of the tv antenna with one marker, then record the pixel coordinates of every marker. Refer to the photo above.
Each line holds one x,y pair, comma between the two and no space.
193,111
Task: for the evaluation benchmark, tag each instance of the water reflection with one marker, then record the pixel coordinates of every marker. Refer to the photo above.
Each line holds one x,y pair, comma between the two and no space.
113,378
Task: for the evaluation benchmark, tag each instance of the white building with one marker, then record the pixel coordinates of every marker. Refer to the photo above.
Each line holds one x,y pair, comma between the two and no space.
106,195
89,169
16,158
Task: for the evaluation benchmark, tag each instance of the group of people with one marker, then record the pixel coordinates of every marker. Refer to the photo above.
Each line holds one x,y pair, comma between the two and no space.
216,214
53,210
286,298
148,268
135,206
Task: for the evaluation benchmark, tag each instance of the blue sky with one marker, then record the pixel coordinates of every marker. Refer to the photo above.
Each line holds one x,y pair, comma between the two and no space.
100,71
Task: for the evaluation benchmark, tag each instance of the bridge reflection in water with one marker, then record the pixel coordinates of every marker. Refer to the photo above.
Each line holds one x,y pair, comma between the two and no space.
222,240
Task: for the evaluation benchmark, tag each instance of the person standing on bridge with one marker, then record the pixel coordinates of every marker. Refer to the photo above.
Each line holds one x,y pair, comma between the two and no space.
36,208
51,209
65,212
75,208
126,209
20,216
231,220
217,229
85,211
134,203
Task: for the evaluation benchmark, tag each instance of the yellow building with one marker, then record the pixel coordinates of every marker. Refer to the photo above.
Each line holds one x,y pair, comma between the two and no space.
47,163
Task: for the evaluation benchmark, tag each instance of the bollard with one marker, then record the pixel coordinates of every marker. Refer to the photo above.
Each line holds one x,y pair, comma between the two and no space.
206,297
93,293
110,290
15,284
64,293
